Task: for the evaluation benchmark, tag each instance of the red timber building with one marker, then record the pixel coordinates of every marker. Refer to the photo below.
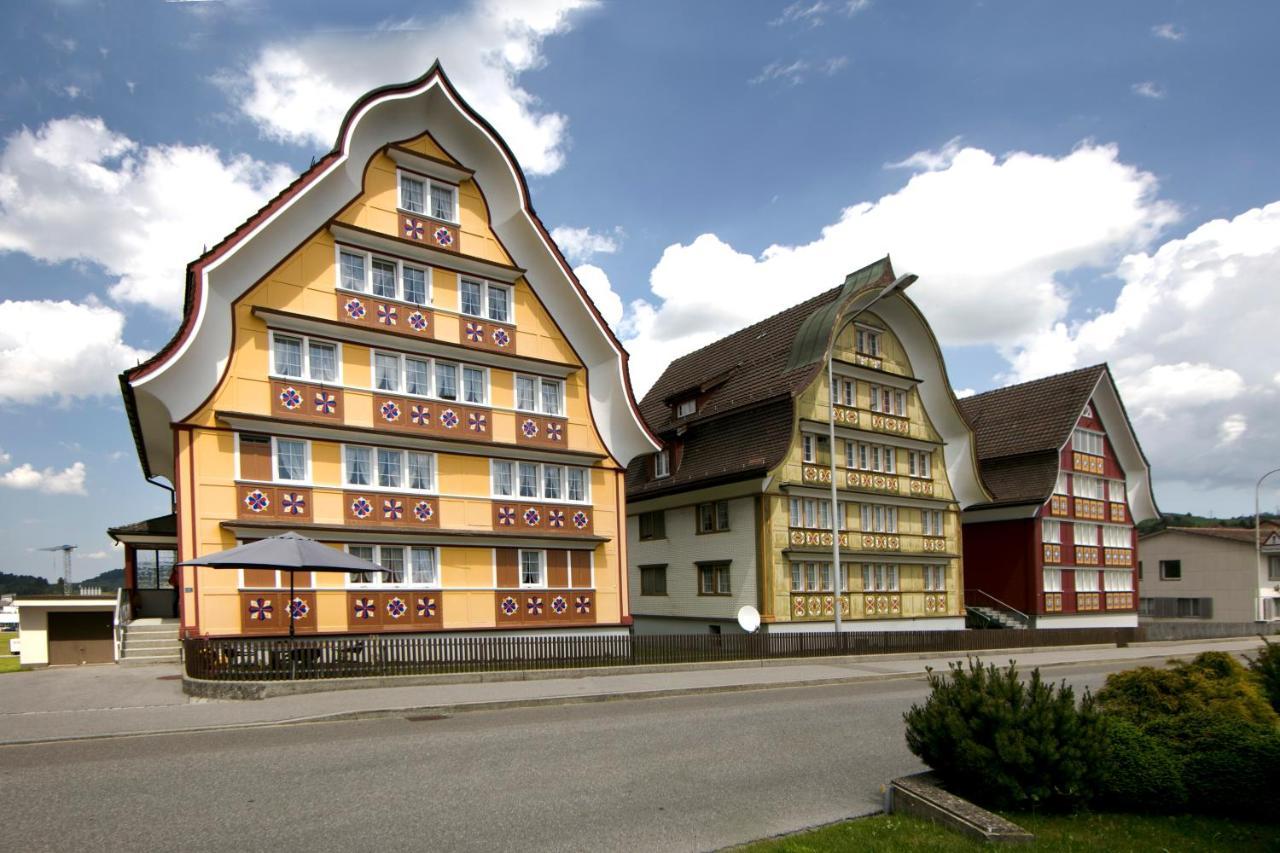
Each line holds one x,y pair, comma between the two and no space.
1057,545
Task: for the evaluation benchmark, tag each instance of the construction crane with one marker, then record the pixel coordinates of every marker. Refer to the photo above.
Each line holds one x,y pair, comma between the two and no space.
66,564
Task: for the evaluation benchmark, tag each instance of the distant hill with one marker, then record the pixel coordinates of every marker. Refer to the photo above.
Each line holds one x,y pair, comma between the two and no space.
32,585
1186,519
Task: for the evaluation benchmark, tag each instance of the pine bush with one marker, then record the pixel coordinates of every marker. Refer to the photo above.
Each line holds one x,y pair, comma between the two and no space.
1006,743
1266,669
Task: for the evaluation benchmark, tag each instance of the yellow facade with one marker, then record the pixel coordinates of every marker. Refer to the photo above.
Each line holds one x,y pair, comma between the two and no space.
303,290
899,553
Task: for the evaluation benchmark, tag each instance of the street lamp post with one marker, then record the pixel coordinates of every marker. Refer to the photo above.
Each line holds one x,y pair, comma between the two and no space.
1257,540
899,284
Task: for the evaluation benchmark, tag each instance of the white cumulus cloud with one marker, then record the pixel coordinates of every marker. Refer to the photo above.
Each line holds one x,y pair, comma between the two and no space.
74,190
296,92
68,481
61,349
581,244
596,283
988,236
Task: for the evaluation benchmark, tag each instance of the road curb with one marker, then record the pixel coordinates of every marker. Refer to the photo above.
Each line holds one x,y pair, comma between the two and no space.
543,701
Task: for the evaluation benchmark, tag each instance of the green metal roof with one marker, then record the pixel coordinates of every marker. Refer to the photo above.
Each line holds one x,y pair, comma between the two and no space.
816,332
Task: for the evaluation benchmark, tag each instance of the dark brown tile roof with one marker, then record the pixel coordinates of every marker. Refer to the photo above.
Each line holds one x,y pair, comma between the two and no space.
1020,429
1031,417
720,450
161,525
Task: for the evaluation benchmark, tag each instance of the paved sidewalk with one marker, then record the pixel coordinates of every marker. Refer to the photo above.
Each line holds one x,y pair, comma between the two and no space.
110,701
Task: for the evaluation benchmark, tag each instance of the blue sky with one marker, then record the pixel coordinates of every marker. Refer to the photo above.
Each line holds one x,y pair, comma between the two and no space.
1073,183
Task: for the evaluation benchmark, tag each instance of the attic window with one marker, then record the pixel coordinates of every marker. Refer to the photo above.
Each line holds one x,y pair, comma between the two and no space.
867,341
1088,411
686,407
661,465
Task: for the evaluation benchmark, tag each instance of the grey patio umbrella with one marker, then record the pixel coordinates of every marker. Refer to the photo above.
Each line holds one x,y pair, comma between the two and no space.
290,553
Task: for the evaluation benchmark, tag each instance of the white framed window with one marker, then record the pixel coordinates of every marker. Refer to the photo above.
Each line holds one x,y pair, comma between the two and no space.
1053,580
808,448
662,464
1085,534
539,481
305,358
813,513
1087,441
429,377
1117,581
1116,491
686,407
291,460
1087,412
797,577
388,468
539,394
931,522
878,518
1087,580
1061,486
426,197
533,569
920,464
1088,487
880,577
935,578
871,457
479,298
1115,536
867,341
384,277
889,401
415,566
846,393
1051,531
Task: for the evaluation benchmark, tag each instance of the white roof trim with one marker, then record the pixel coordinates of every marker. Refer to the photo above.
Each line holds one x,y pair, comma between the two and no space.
184,379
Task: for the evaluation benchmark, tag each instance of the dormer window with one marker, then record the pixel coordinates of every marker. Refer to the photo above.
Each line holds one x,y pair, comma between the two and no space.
662,464
867,342
426,197
1088,411
686,407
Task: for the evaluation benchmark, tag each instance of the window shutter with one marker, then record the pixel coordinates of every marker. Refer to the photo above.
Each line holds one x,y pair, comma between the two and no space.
255,457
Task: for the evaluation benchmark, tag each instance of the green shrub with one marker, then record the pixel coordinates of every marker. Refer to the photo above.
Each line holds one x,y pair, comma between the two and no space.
1229,766
1214,682
1266,668
1138,772
1005,743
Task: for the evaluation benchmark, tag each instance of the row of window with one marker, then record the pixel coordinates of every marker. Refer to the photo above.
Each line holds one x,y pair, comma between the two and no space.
415,471
1084,533
1093,488
816,576
419,566
304,358
815,514
426,197
864,456
1091,580
393,278
1086,441
880,398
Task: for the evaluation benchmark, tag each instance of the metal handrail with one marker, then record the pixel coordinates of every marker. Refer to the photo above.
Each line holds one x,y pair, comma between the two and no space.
119,620
1026,620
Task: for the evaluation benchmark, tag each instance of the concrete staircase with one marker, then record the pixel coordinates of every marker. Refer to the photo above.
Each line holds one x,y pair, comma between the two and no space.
151,641
996,618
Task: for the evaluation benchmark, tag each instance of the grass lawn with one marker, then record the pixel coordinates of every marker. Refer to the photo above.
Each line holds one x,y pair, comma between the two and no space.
1110,832
8,662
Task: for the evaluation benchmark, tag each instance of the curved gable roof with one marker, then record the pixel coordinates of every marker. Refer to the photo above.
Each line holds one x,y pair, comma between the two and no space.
175,382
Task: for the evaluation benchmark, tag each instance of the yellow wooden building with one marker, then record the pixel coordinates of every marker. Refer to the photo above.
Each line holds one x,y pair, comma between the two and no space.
735,510
393,357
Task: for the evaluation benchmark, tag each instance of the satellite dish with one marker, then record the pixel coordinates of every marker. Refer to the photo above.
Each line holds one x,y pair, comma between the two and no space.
749,619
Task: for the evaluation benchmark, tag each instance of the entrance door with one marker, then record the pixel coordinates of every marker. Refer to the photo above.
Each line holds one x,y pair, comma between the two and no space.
76,638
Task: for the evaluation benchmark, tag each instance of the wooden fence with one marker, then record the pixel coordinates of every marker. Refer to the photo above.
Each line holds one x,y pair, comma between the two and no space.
268,659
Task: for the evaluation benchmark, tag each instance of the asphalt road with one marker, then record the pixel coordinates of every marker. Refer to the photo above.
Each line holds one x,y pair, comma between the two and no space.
686,773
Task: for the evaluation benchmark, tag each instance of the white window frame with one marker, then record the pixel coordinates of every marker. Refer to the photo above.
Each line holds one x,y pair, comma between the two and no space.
1094,582
275,460
935,577
808,449
933,522
687,407
538,383
540,479
373,485
1050,531
1117,536
402,377
661,464
369,258
1117,580
1090,488
1075,534
920,464
881,577
1062,486
879,518
871,337
485,285
542,568
1052,580
426,182
846,393
1114,486
306,358
1090,438
379,580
